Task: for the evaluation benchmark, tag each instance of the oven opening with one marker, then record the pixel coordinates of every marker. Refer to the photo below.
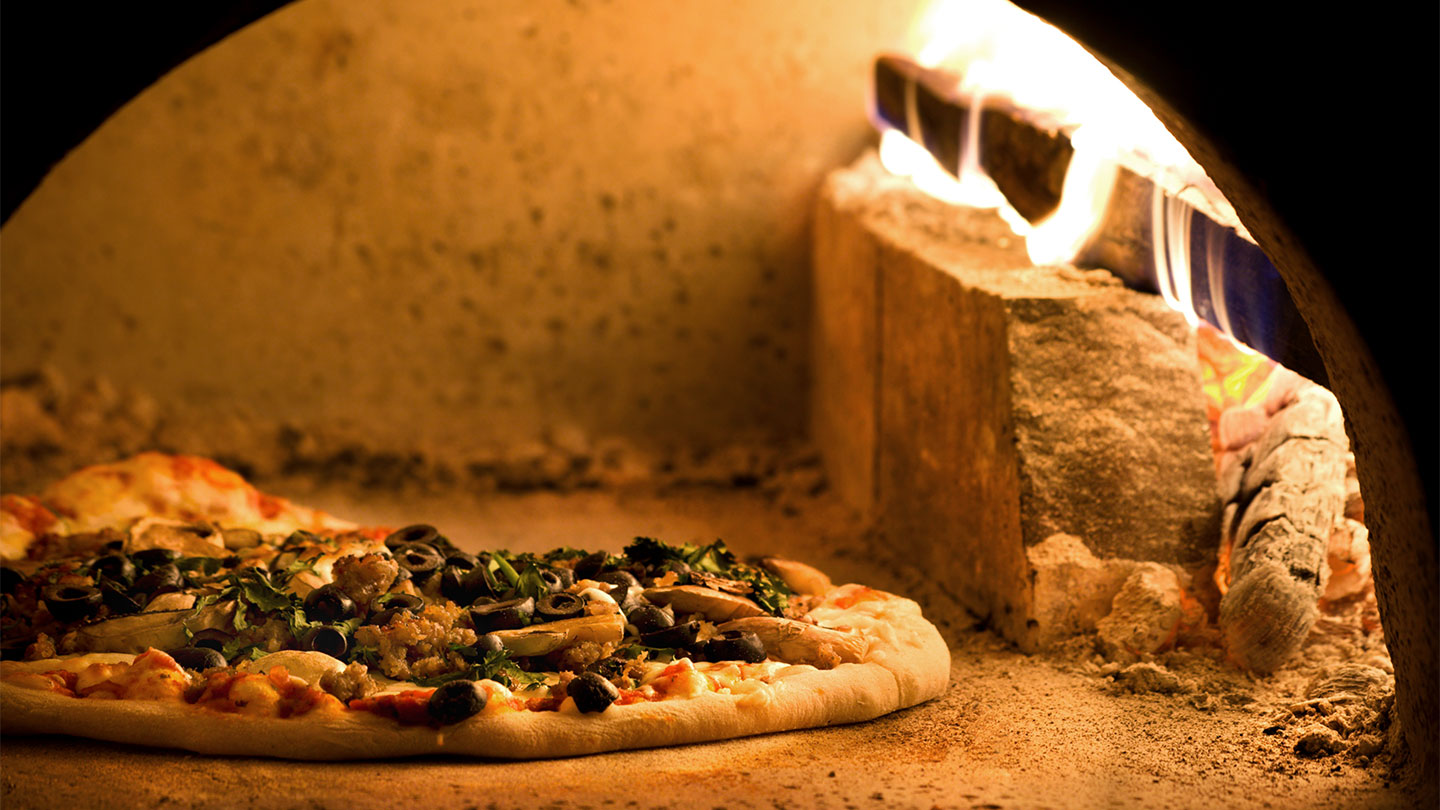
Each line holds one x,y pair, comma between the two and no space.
546,276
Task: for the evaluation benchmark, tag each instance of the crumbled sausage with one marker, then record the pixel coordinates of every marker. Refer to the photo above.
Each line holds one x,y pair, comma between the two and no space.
580,656
350,683
44,647
272,635
420,646
365,577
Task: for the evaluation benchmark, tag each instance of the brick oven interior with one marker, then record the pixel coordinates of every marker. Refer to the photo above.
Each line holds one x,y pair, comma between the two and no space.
566,273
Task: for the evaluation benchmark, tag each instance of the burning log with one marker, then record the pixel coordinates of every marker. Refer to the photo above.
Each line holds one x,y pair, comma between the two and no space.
1160,230
1285,496
1024,152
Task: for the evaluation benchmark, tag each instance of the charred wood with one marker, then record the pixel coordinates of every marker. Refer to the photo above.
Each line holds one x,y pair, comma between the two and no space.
1285,496
1024,152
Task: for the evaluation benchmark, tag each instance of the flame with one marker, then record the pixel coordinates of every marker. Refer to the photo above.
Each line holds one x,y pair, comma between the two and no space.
1001,50
905,158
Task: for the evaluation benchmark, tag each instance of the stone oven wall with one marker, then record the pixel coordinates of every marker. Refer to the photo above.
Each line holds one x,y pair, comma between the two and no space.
437,227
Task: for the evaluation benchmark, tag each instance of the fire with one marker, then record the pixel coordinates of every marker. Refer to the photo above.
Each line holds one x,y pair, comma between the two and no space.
999,50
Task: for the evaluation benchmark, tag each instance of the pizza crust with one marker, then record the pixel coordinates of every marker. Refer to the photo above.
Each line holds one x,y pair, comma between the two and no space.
908,663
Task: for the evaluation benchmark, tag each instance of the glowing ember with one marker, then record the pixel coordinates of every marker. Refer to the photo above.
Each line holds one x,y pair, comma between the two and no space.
1233,377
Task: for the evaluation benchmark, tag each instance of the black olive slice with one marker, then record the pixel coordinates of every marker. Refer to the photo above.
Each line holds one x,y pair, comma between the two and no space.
9,579
462,560
590,565
116,599
623,585
418,533
457,585
567,577
592,692
553,581
329,604
71,603
455,701
679,636
113,566
394,604
511,614
649,618
611,667
198,658
478,582
382,618
421,560
213,639
405,601
618,578
154,557
556,606
735,645
164,579
299,539
328,640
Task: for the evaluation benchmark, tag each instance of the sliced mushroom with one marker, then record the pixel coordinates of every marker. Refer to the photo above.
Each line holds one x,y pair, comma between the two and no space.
721,583
801,578
175,600
307,665
162,629
715,605
190,539
546,638
800,643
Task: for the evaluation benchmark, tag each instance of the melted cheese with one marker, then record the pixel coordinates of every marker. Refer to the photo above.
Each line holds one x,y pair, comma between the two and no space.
183,488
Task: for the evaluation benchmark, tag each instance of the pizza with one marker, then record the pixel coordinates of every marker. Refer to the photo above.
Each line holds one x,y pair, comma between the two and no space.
164,601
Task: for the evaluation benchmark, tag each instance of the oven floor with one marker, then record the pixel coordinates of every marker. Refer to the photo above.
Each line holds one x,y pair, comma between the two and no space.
1013,731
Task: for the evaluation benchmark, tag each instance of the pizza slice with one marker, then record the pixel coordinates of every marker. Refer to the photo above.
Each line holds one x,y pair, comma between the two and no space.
164,601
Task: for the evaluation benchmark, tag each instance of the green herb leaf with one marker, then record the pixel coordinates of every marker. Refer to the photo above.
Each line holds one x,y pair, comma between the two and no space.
260,592
769,593
564,553
204,602
650,552
208,566
530,584
495,665
503,566
236,646
366,654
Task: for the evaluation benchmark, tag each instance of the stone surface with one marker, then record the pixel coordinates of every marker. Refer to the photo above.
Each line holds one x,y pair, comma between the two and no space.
1319,741
449,224
1012,402
1147,677
1145,615
1072,588
1110,425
